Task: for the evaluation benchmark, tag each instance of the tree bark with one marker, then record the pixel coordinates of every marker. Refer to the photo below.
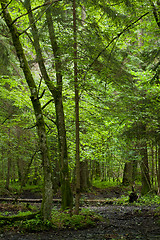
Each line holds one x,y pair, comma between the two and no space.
127,173
146,185
158,169
77,196
84,176
67,197
47,193
9,161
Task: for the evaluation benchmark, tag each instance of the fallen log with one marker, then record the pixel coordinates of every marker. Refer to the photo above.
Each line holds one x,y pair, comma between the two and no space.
35,200
14,218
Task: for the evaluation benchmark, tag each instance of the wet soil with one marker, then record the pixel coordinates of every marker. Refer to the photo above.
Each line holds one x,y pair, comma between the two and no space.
127,222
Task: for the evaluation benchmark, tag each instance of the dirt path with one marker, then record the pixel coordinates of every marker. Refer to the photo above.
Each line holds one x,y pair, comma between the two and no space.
120,222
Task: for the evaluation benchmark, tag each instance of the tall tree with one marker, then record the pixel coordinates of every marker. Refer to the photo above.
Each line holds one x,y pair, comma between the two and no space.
47,193
57,95
76,85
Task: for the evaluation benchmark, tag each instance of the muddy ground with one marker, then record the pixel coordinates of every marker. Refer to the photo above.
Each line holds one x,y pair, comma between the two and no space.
119,222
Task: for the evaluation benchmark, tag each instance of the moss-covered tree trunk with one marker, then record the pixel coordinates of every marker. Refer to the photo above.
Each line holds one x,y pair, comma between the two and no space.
48,192
127,173
84,176
67,197
77,197
146,185
158,167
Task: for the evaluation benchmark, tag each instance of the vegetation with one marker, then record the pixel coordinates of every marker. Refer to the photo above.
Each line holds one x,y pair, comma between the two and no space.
29,222
79,97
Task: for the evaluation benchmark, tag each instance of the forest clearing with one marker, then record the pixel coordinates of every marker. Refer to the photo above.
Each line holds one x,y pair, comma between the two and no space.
80,119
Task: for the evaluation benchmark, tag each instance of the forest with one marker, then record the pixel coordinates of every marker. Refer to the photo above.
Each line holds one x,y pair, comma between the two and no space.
79,98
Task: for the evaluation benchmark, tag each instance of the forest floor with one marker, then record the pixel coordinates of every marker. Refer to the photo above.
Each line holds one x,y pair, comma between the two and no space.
127,222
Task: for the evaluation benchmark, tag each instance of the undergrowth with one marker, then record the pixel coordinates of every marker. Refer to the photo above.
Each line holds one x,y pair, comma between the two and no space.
59,220
148,200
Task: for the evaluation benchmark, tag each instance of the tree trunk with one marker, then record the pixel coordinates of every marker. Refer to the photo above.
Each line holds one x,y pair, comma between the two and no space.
8,161
84,176
141,136
146,186
158,170
67,197
47,193
77,197
135,170
127,173
153,165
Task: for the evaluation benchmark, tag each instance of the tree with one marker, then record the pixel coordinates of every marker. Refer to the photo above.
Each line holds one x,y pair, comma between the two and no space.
77,198
57,95
48,195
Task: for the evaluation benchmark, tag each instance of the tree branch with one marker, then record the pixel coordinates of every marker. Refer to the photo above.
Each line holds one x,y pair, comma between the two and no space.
47,103
155,13
50,4
116,37
43,5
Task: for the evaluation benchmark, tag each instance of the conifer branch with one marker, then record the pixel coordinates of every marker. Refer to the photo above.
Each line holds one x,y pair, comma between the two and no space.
155,13
115,38
43,5
36,20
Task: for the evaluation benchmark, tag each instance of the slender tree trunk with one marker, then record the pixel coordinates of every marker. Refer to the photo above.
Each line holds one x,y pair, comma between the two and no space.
8,162
153,165
146,185
2,163
156,166
48,193
67,198
77,197
158,169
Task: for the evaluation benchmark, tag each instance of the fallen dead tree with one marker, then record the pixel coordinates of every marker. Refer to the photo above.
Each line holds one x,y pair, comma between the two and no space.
14,218
35,200
105,201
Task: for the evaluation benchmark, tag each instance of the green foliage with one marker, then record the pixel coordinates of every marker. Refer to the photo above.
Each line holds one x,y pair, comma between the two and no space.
34,225
149,199
103,184
64,219
118,90
59,220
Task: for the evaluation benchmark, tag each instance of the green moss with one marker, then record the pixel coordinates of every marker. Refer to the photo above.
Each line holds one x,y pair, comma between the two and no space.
59,220
86,218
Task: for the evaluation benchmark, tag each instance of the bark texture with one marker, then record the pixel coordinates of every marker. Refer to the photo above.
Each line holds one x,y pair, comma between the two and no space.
146,185
77,196
48,193
56,92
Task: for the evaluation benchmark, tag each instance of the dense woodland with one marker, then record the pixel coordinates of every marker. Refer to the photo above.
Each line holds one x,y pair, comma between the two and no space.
79,95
